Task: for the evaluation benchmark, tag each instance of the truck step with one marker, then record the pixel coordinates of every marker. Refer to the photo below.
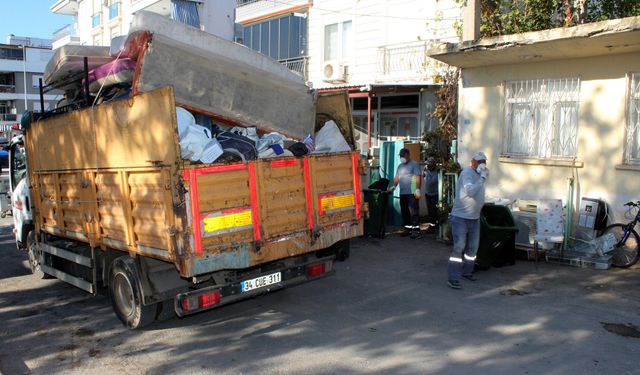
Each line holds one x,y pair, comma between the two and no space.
68,255
73,280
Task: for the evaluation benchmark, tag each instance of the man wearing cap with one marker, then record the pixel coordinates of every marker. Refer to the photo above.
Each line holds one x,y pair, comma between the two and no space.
430,176
408,177
465,220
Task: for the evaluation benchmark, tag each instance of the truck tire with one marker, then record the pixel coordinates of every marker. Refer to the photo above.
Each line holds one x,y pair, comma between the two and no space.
126,296
34,256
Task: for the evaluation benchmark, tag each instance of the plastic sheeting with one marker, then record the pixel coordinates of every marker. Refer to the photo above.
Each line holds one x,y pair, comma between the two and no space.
223,78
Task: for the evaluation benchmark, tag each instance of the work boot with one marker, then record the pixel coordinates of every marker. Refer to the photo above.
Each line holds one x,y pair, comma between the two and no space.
470,277
455,284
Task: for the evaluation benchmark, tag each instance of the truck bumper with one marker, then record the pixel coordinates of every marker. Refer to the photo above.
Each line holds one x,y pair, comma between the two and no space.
215,296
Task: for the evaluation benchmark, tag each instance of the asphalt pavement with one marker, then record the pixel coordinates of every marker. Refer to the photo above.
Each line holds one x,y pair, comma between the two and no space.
387,310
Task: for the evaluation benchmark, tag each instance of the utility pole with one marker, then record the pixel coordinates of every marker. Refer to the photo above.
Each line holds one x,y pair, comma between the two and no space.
24,75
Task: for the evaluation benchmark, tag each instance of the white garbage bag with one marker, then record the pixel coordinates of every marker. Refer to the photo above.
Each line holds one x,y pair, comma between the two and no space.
330,139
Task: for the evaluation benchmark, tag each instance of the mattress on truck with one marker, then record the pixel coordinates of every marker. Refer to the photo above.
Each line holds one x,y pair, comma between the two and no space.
222,78
68,62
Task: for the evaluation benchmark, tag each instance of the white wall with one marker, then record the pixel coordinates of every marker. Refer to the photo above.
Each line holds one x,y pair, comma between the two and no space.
377,23
216,17
603,87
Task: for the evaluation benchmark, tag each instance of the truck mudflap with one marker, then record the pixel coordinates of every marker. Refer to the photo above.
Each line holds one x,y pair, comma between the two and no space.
215,296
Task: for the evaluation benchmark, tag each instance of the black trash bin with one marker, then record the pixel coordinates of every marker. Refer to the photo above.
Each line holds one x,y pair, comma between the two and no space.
498,230
378,201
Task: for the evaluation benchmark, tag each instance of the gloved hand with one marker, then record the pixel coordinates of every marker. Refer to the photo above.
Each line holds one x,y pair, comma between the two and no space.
417,194
483,170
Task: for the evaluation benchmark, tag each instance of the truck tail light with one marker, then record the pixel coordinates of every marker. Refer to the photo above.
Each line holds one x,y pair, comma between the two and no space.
209,299
197,301
315,270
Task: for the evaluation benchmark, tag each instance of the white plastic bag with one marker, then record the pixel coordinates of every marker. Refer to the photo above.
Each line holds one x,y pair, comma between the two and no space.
330,139
185,119
195,138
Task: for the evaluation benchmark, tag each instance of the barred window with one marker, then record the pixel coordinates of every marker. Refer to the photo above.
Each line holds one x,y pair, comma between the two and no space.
632,131
541,118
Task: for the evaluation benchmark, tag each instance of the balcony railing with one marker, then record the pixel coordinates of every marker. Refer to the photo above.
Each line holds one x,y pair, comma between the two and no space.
245,2
65,31
298,65
7,88
408,61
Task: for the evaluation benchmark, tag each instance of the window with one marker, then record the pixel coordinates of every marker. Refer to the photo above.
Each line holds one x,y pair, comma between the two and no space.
95,20
338,41
541,118
97,40
35,81
115,31
19,165
114,9
281,38
632,131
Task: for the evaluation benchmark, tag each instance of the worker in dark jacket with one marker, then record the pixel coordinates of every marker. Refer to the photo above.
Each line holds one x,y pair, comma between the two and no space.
430,176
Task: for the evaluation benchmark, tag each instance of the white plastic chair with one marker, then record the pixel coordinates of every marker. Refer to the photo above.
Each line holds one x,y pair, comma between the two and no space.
549,223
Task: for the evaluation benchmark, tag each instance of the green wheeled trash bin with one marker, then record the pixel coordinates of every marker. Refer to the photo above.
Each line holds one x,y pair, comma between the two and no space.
498,230
377,200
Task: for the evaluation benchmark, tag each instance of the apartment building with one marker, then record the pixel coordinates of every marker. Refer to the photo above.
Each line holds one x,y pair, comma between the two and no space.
99,21
375,49
21,68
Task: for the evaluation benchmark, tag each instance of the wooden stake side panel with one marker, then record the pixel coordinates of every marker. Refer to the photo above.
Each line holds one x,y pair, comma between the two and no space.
224,204
107,175
282,197
124,210
334,196
123,134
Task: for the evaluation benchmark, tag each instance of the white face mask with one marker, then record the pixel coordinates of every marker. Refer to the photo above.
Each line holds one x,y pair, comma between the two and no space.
481,167
403,160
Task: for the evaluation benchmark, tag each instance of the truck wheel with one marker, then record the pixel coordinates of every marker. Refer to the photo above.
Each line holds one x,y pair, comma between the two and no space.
125,294
34,256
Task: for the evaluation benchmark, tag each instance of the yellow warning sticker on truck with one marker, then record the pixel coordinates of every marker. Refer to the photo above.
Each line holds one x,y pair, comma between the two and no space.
230,219
335,202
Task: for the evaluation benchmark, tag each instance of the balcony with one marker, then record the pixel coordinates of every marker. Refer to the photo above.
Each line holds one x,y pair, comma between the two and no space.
7,89
65,35
408,62
249,10
66,7
161,7
298,65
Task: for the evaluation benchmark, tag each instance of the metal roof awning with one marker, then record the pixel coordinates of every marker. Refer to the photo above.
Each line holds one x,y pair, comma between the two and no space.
382,88
594,39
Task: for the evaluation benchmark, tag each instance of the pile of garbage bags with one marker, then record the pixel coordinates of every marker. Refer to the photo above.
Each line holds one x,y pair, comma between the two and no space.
201,144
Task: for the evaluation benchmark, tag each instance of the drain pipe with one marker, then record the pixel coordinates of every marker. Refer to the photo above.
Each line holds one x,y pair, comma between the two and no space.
569,217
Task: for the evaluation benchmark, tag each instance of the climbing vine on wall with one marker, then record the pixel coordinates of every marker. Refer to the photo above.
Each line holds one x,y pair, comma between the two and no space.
446,113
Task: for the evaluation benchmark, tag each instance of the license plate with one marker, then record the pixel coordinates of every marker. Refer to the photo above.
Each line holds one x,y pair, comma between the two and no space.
262,281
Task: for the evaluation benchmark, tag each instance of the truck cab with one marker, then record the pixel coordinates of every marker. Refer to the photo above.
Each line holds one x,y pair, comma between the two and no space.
19,188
